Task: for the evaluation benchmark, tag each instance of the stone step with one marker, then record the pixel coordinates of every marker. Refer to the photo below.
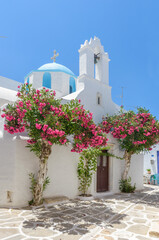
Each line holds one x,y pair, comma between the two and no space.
55,200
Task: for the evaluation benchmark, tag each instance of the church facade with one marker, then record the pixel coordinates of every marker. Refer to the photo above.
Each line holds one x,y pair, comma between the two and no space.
92,88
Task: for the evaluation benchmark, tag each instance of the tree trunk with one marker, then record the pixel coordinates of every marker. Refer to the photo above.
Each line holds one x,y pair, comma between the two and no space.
42,173
127,157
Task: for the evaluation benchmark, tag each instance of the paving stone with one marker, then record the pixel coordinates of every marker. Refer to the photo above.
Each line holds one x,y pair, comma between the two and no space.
136,214
139,207
29,238
6,232
86,226
151,209
69,211
106,232
17,237
119,225
67,237
104,216
126,218
154,230
79,215
152,216
38,232
142,238
80,231
13,224
8,216
108,237
123,234
101,237
92,220
63,227
119,207
139,220
123,239
139,229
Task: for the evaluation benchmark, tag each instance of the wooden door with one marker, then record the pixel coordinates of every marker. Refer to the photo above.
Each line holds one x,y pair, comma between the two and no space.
102,174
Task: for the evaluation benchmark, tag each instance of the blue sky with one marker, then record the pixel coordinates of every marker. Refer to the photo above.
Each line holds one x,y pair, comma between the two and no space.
128,29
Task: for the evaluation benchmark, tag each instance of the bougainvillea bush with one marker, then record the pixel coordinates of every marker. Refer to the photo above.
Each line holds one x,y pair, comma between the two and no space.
135,132
49,122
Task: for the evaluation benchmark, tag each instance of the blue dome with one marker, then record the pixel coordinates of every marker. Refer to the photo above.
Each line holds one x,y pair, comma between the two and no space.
55,67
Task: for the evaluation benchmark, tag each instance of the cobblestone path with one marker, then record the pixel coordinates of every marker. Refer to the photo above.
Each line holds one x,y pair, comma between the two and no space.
117,217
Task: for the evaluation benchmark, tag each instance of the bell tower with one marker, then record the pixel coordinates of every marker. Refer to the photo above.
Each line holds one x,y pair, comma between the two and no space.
93,61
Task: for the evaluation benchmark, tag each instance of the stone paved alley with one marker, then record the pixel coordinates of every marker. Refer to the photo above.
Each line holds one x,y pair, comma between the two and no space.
117,217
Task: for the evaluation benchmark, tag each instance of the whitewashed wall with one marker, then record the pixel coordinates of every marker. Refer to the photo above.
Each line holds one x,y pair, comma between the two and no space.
17,162
7,169
148,164
9,83
59,82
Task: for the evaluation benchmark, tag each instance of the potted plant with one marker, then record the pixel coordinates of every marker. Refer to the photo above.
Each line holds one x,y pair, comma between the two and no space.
149,171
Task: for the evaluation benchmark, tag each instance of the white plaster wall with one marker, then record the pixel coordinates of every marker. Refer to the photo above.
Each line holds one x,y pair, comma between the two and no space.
25,162
9,83
116,169
35,79
63,172
147,160
59,82
17,162
136,170
7,169
88,97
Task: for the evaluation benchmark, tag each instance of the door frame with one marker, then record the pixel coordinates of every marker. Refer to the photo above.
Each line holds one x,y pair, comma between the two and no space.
108,160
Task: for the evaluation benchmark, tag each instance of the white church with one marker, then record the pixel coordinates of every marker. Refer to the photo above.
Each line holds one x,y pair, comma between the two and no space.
92,88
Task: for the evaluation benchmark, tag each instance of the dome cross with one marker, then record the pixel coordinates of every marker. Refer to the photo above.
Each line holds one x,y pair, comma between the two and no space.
54,56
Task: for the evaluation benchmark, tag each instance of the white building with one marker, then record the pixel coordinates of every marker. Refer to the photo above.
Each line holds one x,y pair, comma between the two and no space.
92,87
151,160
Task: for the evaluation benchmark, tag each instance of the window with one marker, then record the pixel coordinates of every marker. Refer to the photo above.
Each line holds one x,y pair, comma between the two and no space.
47,80
99,99
72,85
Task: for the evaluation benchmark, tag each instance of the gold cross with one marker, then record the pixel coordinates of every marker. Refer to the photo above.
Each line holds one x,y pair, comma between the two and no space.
55,55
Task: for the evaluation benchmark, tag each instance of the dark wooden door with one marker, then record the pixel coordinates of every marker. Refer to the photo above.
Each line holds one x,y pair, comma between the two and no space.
102,174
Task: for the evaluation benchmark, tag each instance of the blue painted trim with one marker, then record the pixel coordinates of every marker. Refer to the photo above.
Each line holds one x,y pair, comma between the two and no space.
47,80
55,70
72,84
